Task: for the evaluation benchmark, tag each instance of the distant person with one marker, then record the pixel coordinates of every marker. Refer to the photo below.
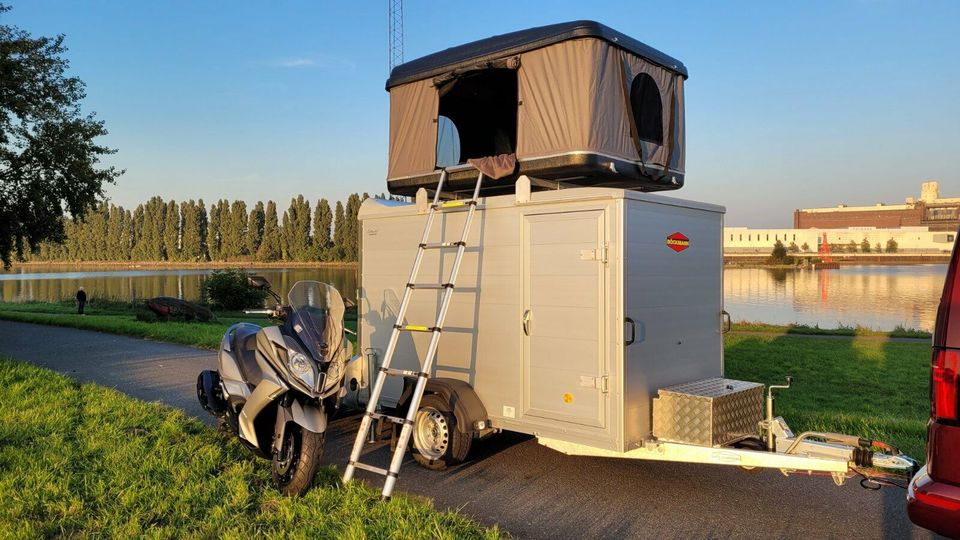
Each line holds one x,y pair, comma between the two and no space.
81,300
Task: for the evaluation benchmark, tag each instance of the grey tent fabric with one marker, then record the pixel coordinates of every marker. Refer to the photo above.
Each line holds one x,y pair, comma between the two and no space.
495,167
413,129
572,106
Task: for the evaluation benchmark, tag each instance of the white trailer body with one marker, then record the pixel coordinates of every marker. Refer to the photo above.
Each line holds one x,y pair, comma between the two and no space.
571,310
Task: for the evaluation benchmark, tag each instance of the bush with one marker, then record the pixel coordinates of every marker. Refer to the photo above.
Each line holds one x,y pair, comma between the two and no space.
793,247
892,246
805,247
865,246
229,290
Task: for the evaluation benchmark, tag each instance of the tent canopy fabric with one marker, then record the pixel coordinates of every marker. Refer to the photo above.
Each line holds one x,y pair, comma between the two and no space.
576,102
514,43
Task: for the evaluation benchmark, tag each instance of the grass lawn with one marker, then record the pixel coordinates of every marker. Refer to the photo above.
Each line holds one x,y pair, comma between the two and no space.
83,460
121,318
868,387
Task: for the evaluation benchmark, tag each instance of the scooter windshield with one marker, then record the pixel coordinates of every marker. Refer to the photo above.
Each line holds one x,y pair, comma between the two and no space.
317,317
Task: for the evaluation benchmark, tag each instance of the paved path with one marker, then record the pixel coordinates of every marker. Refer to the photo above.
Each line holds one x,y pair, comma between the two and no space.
529,490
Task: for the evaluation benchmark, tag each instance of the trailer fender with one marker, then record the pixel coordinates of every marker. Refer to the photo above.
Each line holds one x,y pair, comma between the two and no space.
463,400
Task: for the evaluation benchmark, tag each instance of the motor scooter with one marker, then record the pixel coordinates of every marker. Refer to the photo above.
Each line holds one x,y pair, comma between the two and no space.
276,386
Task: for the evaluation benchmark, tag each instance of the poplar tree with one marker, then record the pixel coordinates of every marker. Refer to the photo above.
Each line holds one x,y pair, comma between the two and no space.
115,234
136,231
296,230
351,236
171,231
202,224
269,249
255,228
322,223
219,214
233,227
339,230
191,236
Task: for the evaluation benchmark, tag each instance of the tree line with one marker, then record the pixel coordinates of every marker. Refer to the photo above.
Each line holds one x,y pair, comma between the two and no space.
160,230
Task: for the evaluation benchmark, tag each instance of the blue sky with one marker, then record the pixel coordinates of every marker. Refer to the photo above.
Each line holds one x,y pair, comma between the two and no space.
789,104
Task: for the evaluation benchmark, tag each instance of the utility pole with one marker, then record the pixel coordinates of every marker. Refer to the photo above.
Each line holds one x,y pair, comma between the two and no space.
395,30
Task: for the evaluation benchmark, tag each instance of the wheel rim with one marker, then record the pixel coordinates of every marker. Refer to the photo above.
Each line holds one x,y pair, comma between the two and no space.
431,435
285,461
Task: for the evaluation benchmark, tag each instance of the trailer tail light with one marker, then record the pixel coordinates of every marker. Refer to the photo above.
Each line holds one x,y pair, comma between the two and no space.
944,391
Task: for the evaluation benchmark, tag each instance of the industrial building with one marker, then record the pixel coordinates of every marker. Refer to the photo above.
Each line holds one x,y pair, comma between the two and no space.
744,240
930,211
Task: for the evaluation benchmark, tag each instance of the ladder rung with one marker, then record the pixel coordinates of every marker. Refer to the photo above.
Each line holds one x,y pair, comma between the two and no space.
440,245
457,205
430,285
394,419
403,372
370,468
416,328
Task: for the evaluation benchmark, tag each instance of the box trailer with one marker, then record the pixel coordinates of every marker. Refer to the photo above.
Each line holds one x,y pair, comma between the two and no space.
571,308
573,305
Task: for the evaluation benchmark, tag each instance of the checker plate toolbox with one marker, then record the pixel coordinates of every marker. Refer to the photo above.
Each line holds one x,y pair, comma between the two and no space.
709,412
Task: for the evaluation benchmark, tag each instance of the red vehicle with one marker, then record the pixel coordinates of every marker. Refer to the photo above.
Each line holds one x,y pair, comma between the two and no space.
933,498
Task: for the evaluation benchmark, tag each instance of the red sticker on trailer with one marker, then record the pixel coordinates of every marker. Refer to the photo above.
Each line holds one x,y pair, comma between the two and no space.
678,242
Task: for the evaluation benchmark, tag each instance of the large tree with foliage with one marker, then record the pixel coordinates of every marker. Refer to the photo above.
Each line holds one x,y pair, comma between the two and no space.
234,231
49,162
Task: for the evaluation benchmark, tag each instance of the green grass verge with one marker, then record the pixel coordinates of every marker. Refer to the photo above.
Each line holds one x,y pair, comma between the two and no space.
867,387
80,460
804,329
122,318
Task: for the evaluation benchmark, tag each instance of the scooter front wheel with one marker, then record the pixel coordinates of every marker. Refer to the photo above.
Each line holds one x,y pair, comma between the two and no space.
295,465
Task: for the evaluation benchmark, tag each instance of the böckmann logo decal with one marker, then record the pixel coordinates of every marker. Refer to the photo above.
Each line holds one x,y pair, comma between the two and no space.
678,242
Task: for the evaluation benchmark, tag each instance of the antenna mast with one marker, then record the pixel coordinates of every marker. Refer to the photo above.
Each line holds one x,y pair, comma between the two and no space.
395,29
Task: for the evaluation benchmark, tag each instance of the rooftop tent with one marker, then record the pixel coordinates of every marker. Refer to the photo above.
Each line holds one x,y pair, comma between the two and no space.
577,103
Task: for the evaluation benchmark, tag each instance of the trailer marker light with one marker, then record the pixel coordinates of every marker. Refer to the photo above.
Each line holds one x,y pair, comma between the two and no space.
568,398
678,242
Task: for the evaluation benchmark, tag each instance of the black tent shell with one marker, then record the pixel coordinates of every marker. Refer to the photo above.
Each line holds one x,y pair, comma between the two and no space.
504,45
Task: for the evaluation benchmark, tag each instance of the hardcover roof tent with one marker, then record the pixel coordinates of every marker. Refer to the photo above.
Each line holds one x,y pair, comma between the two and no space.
578,103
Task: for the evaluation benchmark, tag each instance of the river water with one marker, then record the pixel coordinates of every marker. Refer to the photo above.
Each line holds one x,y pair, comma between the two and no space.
879,297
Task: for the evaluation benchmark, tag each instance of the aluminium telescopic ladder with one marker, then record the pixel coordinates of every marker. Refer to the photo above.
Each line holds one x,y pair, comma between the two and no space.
371,413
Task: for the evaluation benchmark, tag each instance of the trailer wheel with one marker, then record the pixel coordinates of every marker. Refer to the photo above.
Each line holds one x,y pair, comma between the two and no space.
437,443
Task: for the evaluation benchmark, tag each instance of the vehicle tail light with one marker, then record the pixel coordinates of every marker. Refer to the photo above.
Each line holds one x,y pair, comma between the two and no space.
944,391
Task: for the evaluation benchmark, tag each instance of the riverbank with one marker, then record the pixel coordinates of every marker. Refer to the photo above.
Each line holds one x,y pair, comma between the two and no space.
90,461
163,265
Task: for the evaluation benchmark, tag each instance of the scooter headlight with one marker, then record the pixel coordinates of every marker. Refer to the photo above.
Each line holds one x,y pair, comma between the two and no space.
301,368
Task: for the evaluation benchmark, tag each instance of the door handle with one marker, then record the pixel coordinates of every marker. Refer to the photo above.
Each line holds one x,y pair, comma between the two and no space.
724,322
526,322
633,332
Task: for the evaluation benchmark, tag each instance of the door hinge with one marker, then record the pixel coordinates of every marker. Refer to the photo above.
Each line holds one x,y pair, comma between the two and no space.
600,383
599,254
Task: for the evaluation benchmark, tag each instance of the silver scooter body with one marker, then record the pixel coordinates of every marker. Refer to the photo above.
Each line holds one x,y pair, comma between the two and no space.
257,388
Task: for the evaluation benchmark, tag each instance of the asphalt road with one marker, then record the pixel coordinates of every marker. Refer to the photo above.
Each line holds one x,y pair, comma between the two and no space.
528,490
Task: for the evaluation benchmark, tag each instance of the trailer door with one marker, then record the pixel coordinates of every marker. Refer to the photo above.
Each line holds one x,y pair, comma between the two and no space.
563,365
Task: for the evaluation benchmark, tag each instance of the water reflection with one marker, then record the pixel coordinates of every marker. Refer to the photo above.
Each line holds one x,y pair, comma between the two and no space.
879,297
46,284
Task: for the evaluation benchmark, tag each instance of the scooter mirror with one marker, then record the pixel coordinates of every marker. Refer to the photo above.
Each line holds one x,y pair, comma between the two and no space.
258,282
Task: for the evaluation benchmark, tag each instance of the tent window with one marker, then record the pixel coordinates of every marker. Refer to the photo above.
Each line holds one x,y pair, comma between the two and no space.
647,108
482,108
448,142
